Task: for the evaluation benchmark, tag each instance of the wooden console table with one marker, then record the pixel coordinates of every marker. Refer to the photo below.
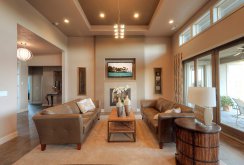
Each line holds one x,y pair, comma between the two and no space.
195,143
123,124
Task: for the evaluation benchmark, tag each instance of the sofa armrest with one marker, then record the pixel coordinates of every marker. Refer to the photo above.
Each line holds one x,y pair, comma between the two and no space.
97,103
51,127
163,116
148,103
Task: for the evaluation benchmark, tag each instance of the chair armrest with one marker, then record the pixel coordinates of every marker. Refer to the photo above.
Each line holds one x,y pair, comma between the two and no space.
51,127
148,103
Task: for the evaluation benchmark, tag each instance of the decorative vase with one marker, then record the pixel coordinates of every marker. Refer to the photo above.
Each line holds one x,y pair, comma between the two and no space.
119,107
127,104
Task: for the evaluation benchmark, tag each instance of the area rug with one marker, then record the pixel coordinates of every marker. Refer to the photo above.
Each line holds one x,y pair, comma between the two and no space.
96,150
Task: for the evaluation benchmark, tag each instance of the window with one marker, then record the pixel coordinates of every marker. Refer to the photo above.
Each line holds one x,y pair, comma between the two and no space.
185,36
201,24
224,7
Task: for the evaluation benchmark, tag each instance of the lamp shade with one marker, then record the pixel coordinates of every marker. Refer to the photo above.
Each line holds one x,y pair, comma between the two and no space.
202,96
24,54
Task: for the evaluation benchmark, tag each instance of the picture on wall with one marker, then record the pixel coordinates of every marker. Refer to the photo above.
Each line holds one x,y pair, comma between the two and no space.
81,81
120,69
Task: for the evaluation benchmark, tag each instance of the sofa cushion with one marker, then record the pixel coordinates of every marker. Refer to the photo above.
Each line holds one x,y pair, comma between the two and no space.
150,112
73,106
184,109
60,109
163,104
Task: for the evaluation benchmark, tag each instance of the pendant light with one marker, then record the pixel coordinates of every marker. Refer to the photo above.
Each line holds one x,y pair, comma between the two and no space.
119,29
24,54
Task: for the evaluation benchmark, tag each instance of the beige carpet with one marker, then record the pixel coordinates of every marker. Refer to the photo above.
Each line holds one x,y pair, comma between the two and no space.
96,150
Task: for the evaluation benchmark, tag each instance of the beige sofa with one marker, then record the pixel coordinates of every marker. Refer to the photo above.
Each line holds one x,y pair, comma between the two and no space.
64,124
163,127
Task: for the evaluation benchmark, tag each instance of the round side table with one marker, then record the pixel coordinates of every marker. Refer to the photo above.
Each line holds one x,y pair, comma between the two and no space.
196,144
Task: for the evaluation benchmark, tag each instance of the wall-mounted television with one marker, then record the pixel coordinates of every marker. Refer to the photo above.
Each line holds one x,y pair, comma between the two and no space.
120,69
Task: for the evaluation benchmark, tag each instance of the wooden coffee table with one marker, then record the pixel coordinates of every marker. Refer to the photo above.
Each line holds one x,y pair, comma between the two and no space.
122,125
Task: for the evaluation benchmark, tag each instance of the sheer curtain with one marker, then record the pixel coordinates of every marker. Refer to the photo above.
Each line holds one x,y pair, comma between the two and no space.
178,78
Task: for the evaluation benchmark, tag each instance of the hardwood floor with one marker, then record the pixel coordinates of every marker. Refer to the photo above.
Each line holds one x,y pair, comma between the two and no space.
231,152
26,140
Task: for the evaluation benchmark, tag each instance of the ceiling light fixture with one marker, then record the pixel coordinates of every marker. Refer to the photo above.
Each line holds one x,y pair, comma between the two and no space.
136,15
24,54
66,20
171,21
102,15
119,29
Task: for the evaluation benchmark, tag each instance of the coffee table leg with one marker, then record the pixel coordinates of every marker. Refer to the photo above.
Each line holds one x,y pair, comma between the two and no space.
134,134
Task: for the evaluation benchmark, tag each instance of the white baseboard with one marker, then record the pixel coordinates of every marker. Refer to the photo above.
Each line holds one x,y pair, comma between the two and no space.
8,137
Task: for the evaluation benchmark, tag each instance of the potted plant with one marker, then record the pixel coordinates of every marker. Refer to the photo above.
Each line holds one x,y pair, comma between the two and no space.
226,103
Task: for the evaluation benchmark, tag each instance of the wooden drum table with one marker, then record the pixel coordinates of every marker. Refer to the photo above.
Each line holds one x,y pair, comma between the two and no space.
195,143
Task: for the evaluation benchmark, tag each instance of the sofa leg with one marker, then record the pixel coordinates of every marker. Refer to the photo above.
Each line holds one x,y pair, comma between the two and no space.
79,146
43,147
161,144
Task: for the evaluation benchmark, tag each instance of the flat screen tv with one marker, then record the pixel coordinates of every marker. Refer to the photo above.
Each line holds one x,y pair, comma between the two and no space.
120,69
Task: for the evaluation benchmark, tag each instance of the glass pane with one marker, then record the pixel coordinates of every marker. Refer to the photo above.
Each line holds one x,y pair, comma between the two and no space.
189,78
201,24
225,7
185,36
204,71
231,77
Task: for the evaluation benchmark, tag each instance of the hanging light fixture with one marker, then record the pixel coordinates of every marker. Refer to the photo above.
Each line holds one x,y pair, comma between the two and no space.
24,54
119,29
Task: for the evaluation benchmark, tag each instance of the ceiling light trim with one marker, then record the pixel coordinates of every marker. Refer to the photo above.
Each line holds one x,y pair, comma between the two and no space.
82,13
156,12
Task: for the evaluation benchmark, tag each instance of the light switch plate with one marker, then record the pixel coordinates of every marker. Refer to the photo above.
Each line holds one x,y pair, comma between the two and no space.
3,93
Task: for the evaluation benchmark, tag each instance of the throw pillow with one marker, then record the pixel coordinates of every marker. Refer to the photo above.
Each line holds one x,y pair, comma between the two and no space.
86,105
177,110
156,116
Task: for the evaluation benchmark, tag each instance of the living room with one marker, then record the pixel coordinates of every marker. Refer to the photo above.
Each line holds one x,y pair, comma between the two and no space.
158,35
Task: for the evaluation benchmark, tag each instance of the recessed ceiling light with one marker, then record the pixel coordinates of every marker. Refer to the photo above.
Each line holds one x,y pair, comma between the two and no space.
171,21
102,15
66,20
136,15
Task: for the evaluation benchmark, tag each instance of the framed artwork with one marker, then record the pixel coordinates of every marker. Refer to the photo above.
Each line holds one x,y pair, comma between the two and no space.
158,80
81,81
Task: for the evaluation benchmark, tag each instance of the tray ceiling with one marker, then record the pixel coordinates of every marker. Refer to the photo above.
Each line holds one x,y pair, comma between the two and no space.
85,21
145,8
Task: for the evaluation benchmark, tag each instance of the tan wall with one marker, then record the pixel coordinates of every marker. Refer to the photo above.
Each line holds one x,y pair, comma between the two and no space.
158,55
80,54
107,47
13,12
225,30
46,60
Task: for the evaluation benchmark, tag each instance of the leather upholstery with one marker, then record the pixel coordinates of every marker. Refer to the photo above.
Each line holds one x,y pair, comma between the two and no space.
163,128
63,124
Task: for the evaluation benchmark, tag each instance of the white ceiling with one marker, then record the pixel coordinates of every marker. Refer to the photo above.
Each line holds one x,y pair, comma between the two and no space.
57,10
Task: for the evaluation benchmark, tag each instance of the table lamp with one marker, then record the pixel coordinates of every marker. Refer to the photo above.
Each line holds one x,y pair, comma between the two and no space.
204,97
